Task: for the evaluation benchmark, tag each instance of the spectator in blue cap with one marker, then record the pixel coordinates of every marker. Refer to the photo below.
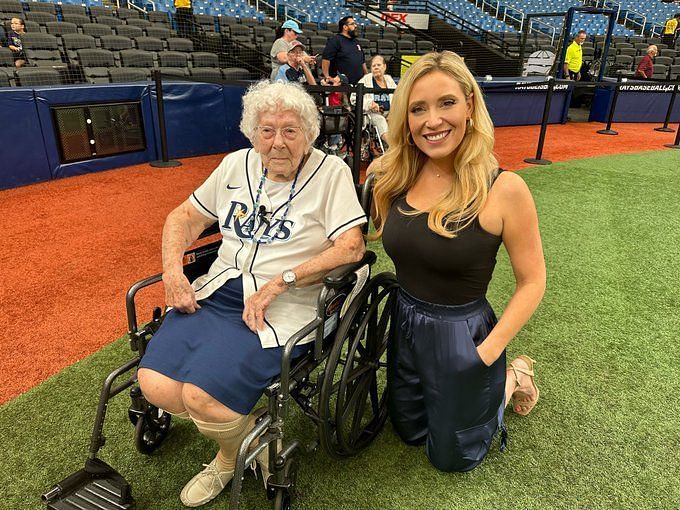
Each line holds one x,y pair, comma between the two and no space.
279,52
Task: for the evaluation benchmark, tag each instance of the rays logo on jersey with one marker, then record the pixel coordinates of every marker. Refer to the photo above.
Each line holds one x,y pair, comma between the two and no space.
264,226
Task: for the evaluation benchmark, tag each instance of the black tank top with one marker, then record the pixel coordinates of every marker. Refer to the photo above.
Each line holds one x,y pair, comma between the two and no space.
437,269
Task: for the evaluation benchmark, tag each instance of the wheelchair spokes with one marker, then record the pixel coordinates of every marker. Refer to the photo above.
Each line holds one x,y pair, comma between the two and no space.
353,408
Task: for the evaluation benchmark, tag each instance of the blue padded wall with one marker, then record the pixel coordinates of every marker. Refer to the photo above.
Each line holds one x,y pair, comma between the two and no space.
23,159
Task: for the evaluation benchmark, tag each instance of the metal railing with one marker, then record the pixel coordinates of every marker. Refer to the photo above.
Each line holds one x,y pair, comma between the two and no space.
461,24
552,30
492,6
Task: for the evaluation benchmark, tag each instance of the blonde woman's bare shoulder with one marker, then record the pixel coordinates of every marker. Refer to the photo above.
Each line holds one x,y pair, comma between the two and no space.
511,190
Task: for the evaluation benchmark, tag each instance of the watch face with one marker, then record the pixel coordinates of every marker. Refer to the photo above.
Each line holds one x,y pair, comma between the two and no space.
288,276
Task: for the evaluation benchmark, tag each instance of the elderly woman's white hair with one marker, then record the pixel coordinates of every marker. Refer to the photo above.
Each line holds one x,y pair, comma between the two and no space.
265,96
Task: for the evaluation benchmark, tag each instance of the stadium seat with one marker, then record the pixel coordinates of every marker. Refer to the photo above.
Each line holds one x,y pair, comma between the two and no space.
108,20
75,42
61,28
235,73
96,30
209,74
264,34
10,9
240,33
180,44
70,9
125,13
675,72
160,32
205,21
33,77
42,7
5,77
42,49
78,19
158,17
100,10
175,59
136,58
150,44
96,64
123,75
40,17
204,59
128,31
141,23
174,72
660,72
404,46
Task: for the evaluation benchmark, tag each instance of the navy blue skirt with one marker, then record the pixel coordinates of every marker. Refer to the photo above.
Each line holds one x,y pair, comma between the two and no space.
214,350
440,391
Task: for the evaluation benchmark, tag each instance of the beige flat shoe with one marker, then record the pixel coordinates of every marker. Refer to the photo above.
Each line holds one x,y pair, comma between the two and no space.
528,403
206,485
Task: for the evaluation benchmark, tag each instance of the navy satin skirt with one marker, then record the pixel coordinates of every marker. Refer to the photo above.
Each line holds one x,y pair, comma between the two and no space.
440,391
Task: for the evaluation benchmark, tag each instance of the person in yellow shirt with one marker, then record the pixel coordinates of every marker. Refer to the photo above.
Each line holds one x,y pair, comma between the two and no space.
574,58
184,16
670,28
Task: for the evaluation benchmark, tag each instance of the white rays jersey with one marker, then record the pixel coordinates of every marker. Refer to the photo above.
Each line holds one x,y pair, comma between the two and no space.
324,205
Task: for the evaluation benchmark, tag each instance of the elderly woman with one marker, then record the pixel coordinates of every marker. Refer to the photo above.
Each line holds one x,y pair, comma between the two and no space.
376,104
443,209
280,205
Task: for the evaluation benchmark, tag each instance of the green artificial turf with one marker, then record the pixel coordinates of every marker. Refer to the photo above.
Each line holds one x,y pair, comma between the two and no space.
604,434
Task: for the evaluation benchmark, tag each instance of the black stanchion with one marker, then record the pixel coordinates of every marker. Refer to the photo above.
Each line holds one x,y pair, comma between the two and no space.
665,128
164,162
538,160
676,144
358,128
608,130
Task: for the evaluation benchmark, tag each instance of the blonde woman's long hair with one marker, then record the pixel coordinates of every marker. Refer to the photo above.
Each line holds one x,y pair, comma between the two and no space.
475,165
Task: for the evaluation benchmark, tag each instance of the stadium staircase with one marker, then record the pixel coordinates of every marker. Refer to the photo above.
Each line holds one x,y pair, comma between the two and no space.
448,31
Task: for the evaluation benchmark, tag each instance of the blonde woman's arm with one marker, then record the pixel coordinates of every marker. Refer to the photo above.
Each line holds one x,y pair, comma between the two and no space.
522,240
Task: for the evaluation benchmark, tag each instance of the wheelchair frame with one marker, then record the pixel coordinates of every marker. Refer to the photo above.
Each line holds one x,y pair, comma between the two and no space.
359,339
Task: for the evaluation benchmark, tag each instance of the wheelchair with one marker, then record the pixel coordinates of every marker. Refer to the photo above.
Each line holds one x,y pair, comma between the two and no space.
339,385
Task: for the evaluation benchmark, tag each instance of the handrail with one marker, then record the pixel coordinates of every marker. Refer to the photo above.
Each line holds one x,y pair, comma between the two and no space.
458,22
548,25
272,7
634,21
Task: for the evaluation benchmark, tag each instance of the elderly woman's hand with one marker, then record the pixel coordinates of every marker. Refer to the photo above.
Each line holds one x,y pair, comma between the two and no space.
179,294
256,305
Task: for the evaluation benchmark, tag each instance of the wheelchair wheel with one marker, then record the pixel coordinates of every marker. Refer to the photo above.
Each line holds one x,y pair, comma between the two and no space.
283,498
151,430
353,399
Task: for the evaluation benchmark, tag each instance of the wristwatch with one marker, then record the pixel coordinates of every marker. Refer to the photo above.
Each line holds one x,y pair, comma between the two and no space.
289,278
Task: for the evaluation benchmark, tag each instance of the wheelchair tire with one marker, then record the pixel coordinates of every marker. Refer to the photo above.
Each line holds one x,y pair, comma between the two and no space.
151,430
283,498
352,379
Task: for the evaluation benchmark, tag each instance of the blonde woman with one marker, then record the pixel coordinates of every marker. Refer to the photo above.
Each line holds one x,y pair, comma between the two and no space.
443,209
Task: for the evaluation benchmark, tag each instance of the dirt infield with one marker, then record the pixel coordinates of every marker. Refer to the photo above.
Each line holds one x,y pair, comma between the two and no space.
72,247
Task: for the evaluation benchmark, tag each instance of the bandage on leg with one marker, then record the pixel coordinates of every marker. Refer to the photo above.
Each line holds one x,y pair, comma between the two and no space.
207,484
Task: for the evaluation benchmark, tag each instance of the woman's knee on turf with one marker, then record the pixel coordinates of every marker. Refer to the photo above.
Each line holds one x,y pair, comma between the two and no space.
452,462
204,407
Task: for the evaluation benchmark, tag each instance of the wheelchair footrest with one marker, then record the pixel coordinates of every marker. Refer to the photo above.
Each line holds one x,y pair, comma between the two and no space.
87,490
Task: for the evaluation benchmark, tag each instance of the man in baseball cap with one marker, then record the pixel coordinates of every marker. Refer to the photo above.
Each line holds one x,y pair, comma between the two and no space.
279,51
297,69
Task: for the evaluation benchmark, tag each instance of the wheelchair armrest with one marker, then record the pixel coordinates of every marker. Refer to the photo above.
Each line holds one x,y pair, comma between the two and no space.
343,275
130,299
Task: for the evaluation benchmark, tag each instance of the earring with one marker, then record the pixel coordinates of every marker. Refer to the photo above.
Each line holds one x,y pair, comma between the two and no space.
409,140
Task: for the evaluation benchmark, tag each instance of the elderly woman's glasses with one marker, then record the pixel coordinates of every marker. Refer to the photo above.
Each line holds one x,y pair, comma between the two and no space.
289,133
